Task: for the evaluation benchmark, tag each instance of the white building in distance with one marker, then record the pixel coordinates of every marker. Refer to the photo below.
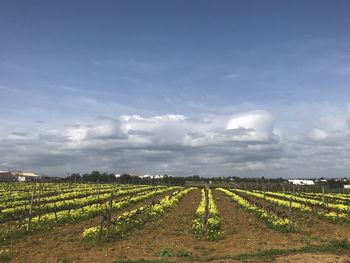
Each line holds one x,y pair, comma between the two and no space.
301,182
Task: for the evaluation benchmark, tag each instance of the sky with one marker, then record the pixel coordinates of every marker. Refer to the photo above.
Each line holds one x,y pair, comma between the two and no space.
214,88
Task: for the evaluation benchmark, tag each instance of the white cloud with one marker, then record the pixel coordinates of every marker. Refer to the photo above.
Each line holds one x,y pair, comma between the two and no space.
212,145
76,133
318,135
253,166
101,128
258,125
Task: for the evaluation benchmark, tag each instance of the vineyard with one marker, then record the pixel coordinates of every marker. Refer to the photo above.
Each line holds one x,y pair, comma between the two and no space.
69,222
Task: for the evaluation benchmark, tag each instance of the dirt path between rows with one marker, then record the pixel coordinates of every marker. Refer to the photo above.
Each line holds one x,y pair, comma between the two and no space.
321,229
243,232
313,258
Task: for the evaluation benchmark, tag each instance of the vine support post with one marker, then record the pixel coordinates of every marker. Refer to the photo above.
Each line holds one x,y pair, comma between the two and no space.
109,215
290,213
263,188
39,199
322,194
101,229
30,211
98,191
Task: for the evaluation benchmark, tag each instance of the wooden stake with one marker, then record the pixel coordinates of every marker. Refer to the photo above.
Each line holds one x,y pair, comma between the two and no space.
98,193
39,201
101,229
322,194
263,186
30,211
109,216
290,213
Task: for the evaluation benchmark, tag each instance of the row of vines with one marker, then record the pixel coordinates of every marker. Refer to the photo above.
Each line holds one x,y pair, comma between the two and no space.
26,208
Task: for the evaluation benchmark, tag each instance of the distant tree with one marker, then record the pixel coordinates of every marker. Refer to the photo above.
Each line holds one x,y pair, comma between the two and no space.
75,177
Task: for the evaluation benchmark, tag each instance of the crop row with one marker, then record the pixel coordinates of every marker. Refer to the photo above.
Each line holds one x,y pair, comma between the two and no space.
313,202
39,191
40,199
271,219
21,212
329,197
50,220
207,222
301,204
121,225
341,209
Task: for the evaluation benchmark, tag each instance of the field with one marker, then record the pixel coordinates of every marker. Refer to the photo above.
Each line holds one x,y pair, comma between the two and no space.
58,222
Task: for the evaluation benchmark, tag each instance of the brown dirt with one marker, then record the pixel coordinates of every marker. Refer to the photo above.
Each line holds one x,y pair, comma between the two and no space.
320,228
313,258
243,232
298,258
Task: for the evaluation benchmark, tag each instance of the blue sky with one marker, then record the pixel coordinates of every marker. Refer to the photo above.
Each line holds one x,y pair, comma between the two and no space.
86,67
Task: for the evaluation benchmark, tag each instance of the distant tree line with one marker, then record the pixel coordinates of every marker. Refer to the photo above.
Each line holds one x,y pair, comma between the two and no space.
197,178
94,176
270,183
98,177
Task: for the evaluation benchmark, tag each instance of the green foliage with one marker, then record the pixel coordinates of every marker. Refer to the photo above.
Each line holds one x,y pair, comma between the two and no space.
141,261
4,256
65,260
174,253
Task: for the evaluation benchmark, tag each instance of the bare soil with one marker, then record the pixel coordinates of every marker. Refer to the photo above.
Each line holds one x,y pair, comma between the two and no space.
313,258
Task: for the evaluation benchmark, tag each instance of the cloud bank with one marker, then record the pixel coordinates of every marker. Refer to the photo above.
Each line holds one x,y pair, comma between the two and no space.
246,144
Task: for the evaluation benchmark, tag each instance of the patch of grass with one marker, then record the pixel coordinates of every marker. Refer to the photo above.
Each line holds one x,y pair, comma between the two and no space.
165,253
183,253
330,247
4,257
205,251
174,253
180,230
306,239
140,261
65,260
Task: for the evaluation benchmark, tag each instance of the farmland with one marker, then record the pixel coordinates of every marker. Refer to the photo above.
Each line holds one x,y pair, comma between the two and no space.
70,222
